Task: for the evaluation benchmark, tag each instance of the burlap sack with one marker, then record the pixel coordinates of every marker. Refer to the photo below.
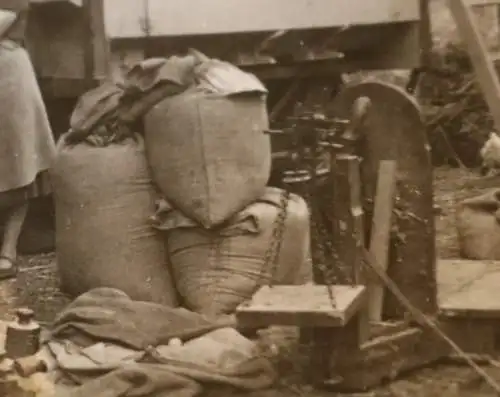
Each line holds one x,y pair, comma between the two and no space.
208,152
216,270
104,198
478,227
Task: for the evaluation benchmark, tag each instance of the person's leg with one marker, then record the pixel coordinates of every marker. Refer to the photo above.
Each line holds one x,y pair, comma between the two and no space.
14,221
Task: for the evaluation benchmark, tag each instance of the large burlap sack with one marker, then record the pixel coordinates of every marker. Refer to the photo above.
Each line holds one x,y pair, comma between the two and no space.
216,270
104,198
208,151
478,227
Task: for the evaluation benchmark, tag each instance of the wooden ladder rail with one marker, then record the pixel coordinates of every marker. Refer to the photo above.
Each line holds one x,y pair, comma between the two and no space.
482,61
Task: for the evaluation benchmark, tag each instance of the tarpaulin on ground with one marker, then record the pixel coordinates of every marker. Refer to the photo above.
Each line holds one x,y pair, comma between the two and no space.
109,345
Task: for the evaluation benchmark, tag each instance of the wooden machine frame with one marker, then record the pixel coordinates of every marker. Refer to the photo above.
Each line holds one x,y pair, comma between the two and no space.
77,43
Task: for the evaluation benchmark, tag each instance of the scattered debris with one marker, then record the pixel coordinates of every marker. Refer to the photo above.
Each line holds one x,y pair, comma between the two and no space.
457,116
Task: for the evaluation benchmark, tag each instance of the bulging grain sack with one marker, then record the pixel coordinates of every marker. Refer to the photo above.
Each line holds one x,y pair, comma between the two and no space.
104,198
478,227
207,148
216,270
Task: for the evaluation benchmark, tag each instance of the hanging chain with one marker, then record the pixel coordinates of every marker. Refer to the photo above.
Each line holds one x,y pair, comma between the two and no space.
317,226
324,238
324,250
320,236
271,256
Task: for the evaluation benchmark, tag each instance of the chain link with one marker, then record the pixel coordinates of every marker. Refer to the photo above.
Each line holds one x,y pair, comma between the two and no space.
273,251
322,246
322,243
332,271
323,252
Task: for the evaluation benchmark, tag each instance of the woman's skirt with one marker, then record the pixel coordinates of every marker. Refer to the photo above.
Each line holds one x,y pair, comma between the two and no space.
27,145
40,187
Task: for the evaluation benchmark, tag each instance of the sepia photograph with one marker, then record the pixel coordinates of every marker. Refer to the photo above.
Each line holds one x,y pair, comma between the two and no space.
234,198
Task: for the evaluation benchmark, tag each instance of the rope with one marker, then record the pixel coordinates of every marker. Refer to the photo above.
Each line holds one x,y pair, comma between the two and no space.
421,318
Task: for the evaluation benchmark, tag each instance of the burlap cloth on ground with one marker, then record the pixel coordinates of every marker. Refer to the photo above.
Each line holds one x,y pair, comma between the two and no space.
108,345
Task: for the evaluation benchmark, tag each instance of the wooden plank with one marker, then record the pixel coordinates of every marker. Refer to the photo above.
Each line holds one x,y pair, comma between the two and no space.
484,67
455,274
387,357
98,45
381,233
479,300
332,345
481,3
304,305
425,33
348,222
77,3
200,17
88,41
469,289
474,336
408,58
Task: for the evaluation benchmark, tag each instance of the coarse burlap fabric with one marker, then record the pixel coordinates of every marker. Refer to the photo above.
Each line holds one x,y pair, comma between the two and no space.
208,151
104,198
478,226
217,270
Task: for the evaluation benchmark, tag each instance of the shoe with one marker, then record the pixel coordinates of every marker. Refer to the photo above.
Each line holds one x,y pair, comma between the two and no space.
8,273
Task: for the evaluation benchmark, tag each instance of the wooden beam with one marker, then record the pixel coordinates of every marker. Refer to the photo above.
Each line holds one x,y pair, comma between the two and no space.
387,357
483,65
348,238
88,41
380,240
425,33
96,46
201,17
481,3
77,3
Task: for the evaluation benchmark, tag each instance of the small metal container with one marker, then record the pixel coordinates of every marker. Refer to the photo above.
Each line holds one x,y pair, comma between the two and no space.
23,336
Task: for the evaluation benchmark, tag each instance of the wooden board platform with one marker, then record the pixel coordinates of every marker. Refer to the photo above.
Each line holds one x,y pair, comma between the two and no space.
469,288
305,305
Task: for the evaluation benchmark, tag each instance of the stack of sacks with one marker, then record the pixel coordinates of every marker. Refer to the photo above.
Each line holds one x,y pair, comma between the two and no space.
104,194
200,168
211,159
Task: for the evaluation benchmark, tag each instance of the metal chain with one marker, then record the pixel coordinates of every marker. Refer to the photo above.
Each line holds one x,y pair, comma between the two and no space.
318,227
325,242
271,256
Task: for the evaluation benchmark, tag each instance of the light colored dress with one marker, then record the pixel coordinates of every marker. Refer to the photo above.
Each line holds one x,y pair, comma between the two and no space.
27,146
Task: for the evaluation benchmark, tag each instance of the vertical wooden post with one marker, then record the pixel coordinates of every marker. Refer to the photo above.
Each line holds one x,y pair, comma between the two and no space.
348,220
380,238
425,34
349,230
96,45
331,346
483,65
